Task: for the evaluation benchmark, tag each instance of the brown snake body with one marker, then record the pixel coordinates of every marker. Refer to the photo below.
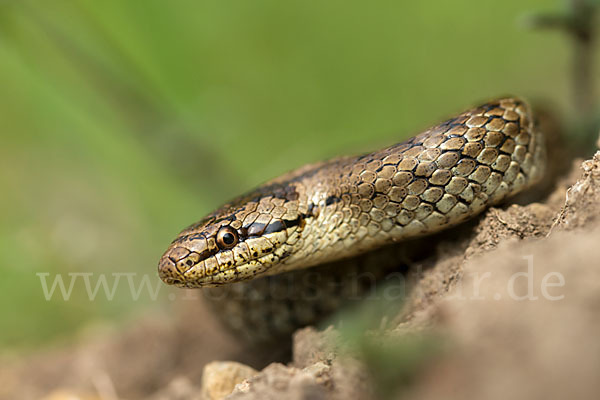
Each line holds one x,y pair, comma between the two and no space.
345,207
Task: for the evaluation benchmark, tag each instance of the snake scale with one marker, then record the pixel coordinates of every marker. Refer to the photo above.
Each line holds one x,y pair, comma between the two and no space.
256,249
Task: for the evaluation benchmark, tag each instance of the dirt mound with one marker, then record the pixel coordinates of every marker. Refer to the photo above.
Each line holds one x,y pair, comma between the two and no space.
509,309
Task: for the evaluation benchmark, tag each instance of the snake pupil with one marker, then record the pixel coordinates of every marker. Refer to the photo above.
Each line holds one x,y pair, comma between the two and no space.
228,239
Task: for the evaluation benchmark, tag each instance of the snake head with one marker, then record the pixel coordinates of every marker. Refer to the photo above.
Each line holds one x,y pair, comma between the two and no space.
237,242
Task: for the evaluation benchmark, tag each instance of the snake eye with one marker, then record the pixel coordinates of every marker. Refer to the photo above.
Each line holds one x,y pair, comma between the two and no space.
227,237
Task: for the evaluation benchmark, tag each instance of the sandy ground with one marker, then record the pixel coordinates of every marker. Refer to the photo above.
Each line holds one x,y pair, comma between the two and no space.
512,301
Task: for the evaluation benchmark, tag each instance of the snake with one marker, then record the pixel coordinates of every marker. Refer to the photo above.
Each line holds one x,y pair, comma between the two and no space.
320,217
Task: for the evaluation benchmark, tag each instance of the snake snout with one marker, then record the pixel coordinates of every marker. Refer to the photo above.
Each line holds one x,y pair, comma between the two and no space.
174,263
167,271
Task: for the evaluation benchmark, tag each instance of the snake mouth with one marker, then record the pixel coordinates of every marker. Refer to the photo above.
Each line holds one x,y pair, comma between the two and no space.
202,275
182,267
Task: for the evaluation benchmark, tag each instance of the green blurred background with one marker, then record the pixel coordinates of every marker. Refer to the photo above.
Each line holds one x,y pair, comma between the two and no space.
124,121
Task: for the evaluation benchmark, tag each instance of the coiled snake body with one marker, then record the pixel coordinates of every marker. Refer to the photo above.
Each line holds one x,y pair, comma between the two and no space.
344,207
